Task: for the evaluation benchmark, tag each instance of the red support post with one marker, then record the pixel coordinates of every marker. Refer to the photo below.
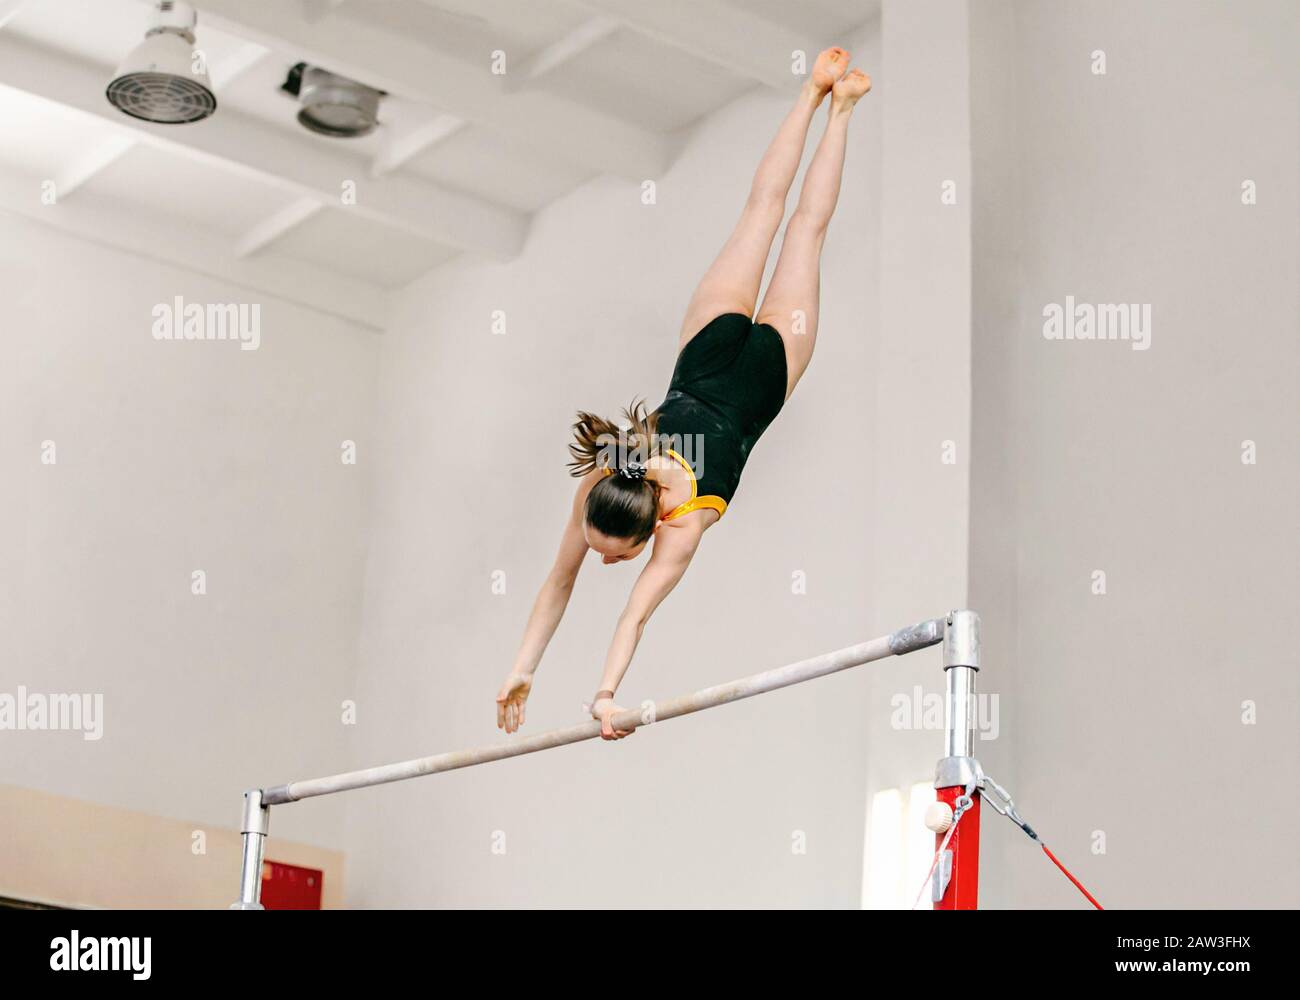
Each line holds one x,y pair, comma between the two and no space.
962,892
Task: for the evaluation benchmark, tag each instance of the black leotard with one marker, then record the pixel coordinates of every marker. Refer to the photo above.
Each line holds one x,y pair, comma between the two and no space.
728,386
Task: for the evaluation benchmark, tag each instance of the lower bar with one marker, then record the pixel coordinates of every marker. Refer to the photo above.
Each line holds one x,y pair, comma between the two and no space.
905,640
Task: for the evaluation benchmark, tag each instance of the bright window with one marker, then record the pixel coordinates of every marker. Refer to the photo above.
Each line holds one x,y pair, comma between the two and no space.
899,849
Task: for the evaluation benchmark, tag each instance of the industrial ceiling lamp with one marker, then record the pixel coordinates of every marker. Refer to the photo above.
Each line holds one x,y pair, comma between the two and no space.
161,81
333,105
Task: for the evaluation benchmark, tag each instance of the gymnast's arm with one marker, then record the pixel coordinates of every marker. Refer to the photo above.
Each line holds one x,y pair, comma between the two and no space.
674,546
548,609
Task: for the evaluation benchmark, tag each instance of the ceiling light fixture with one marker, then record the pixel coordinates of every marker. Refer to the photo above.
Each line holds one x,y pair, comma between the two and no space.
333,105
163,79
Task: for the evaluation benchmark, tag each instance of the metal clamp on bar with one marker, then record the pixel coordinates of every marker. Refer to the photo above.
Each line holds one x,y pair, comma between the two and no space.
961,640
277,795
918,636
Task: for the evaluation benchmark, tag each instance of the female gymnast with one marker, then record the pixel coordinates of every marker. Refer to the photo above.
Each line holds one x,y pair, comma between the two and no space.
732,377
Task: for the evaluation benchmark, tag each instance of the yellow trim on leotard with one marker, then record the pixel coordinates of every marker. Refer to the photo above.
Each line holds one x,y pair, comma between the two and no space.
707,502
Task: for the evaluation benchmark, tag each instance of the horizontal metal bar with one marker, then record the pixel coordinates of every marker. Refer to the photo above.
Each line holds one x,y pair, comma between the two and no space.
903,641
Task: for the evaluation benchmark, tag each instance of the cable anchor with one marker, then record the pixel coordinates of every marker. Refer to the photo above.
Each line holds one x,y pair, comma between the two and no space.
1000,799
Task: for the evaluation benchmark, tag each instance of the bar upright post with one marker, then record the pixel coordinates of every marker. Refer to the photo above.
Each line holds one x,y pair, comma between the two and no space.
956,877
256,824
961,662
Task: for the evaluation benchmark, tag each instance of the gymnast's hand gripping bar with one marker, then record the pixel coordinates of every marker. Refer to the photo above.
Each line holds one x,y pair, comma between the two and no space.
257,801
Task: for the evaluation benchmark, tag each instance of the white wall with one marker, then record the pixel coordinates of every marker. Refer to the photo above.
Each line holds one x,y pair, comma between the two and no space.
920,374
1125,715
471,481
995,308
172,457
72,852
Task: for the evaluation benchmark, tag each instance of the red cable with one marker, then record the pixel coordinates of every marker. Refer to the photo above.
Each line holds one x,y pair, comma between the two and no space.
1077,884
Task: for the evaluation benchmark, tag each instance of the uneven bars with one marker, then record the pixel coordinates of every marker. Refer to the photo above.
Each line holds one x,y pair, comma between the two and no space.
257,803
905,640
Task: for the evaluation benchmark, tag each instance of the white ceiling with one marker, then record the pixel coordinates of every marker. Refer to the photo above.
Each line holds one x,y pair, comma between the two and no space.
463,155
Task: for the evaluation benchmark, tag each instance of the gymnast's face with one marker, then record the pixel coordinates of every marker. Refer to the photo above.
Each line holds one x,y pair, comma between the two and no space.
611,549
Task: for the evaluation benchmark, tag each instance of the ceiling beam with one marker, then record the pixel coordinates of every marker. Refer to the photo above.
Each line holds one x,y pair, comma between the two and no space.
98,158
274,226
225,71
245,145
401,145
318,10
566,49
408,67
105,221
9,9
733,39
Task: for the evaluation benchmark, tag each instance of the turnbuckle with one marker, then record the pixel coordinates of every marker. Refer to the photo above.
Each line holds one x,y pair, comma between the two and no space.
1003,803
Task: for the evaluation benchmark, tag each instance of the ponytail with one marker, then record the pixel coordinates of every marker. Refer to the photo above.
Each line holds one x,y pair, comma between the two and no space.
625,503
601,444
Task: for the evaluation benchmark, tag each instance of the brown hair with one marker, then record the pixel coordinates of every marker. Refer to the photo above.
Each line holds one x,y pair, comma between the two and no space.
624,504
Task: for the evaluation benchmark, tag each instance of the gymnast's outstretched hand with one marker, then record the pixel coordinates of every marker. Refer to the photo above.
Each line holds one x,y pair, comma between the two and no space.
604,709
511,699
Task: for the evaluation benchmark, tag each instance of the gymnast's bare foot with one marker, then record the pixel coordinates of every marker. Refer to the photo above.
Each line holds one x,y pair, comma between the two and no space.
847,90
829,67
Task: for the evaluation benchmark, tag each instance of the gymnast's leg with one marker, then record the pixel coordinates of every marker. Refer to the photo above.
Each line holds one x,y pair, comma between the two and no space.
731,284
791,302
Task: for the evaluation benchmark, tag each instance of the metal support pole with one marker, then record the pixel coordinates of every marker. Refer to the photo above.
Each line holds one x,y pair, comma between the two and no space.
961,662
257,822
957,874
